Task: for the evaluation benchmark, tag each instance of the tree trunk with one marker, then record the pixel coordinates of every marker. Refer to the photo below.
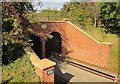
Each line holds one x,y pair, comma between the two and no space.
95,23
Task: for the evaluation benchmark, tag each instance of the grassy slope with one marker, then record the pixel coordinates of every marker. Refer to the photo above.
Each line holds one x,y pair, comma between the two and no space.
21,71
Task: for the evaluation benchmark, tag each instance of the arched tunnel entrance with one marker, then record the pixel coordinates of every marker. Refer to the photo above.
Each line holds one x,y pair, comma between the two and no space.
37,45
54,44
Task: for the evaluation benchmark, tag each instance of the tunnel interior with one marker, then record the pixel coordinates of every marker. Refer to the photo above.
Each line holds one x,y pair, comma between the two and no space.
37,45
53,45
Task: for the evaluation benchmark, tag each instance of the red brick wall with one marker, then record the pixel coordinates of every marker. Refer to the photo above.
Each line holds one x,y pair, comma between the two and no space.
105,53
86,49
81,46
43,74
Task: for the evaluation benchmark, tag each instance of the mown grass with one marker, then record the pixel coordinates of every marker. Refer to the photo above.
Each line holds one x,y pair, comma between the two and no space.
20,70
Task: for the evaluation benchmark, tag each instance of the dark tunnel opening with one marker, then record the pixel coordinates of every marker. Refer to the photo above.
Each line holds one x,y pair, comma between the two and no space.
37,45
54,44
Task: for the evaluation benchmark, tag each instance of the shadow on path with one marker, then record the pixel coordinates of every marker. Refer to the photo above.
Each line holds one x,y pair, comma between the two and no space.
62,78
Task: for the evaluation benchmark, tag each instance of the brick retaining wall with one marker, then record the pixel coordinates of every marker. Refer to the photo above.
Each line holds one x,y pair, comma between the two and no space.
79,44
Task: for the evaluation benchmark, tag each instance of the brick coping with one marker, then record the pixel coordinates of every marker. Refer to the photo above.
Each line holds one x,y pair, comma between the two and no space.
106,43
41,63
51,21
84,32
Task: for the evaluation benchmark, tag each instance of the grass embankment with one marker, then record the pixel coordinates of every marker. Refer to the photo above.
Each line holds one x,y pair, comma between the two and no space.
100,35
20,70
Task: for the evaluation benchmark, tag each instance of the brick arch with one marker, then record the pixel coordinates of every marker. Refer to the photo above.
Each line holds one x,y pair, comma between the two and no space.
60,27
51,27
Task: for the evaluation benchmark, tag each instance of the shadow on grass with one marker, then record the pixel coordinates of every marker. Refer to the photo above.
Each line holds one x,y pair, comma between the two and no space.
113,30
6,81
11,53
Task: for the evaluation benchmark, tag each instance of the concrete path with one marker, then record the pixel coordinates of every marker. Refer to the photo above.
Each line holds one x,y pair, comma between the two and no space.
70,73
80,75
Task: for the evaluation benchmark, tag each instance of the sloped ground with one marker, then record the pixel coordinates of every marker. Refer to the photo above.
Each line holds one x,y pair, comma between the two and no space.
20,70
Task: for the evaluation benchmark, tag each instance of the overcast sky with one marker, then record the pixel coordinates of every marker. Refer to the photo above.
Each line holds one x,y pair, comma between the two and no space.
57,4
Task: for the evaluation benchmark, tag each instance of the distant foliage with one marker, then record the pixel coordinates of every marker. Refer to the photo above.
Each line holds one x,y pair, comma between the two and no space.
110,14
82,12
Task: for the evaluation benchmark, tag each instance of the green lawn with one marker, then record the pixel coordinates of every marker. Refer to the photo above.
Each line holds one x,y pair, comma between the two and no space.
20,71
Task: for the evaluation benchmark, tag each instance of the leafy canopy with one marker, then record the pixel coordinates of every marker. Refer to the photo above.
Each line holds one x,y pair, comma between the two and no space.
110,14
14,22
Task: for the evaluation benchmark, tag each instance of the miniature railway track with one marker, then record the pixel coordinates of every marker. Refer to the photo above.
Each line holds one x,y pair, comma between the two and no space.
97,72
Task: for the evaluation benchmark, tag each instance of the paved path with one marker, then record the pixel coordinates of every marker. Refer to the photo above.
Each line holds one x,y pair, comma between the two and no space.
80,75
70,73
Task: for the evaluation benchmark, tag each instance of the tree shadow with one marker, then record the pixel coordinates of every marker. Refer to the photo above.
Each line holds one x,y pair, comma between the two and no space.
7,81
62,78
11,53
113,30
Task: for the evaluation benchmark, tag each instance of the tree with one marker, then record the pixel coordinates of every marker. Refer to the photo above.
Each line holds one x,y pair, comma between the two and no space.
15,22
82,11
91,10
14,28
73,12
110,14
49,14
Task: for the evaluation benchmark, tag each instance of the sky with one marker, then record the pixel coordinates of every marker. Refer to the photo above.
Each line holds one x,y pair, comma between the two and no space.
53,4
57,4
